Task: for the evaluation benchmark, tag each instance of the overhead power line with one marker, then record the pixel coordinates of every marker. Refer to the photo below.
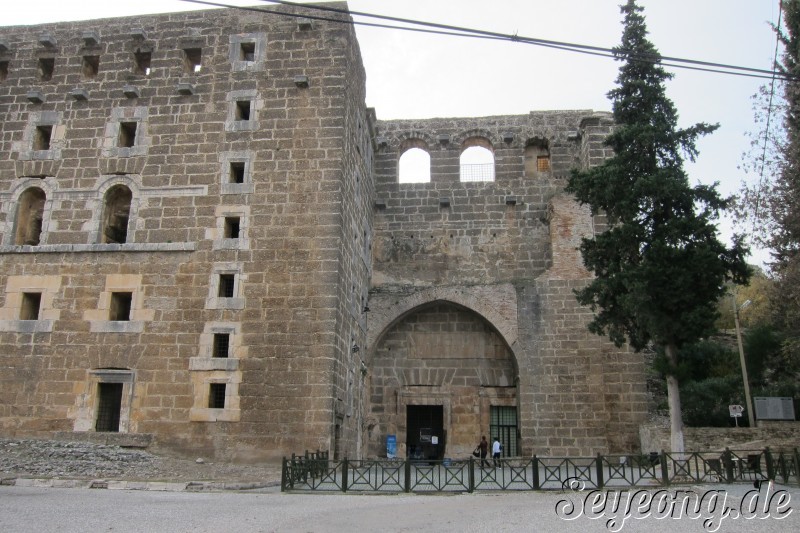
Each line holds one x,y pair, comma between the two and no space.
458,31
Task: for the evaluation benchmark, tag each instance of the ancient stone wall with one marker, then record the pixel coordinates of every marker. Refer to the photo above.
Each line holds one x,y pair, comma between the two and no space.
198,171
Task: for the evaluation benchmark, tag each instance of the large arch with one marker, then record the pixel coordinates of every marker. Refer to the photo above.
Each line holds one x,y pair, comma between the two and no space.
445,365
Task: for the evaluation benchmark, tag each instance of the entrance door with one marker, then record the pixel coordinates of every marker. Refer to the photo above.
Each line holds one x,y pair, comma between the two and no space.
503,426
108,406
425,438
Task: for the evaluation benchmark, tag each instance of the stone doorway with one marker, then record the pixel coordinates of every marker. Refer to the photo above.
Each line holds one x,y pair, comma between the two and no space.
425,435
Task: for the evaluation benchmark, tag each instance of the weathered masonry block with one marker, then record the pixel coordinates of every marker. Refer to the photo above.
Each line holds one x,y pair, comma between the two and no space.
211,244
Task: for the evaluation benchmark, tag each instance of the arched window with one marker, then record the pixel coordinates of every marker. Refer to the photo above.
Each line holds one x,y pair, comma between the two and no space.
29,217
116,211
414,166
537,157
477,160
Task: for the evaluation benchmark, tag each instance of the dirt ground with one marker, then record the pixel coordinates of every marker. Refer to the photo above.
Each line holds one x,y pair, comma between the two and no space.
81,460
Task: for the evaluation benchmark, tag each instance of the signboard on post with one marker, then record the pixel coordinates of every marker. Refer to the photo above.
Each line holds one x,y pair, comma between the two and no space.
736,410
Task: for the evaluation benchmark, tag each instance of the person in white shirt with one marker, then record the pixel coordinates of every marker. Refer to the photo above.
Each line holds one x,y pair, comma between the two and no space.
496,448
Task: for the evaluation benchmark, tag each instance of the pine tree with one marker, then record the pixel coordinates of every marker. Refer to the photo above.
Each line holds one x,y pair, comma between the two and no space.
659,268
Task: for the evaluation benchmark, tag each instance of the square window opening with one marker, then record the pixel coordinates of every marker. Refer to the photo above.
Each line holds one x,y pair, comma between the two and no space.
120,308
222,343
46,67
232,227
3,70
226,282
236,172
543,163
127,134
247,52
141,63
192,60
31,303
41,137
90,66
242,111
216,395
109,407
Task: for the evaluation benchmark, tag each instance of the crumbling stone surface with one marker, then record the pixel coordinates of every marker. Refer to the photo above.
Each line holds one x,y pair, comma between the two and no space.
84,460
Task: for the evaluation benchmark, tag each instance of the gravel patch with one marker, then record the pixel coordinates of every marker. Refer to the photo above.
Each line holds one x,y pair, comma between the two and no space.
20,458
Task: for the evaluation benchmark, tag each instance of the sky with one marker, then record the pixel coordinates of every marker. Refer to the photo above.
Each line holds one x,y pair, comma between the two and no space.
411,75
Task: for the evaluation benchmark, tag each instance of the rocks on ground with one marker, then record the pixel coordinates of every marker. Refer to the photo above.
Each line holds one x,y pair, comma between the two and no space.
84,460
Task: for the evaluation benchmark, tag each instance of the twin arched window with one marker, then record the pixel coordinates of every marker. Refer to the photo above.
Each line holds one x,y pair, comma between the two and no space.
476,162
113,224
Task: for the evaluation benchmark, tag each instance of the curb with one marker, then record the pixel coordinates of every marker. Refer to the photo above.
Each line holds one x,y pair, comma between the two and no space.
160,486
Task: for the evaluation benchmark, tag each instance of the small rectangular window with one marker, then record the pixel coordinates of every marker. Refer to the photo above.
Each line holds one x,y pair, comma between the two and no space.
216,395
90,66
231,227
242,110
31,302
247,52
222,342
237,172
543,163
127,134
226,282
192,60
41,137
120,308
3,70
141,63
46,67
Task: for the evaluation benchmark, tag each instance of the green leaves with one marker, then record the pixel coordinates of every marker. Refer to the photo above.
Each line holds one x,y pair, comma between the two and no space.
660,267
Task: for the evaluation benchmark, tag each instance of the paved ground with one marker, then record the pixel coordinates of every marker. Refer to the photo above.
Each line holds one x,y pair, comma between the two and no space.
41,510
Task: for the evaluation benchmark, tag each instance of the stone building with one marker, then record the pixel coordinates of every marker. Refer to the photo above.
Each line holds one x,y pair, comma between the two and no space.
207,246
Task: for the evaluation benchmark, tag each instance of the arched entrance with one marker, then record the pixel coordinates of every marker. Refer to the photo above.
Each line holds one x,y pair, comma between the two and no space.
441,376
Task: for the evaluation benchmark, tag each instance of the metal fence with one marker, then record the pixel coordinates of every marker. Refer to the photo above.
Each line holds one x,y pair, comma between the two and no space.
317,472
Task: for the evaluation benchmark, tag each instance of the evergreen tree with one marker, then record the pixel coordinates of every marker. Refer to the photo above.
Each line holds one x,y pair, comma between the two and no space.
659,268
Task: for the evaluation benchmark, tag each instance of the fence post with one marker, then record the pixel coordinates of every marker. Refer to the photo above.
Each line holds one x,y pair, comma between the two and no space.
407,468
664,469
536,485
599,464
796,457
727,460
471,488
283,474
770,463
344,475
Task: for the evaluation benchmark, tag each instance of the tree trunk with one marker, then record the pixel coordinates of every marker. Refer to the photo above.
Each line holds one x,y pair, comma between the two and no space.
674,402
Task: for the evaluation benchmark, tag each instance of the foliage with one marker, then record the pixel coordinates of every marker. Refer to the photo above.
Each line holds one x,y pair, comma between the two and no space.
706,402
660,268
759,291
773,204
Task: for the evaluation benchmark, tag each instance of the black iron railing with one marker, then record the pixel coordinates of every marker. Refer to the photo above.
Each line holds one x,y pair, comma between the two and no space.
316,472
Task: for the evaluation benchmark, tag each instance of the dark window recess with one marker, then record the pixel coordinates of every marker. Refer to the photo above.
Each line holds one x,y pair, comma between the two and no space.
41,137
243,110
141,63
109,406
216,395
29,217
127,134
192,58
226,285
222,343
46,67
116,215
3,70
231,227
31,302
247,52
90,66
120,308
237,172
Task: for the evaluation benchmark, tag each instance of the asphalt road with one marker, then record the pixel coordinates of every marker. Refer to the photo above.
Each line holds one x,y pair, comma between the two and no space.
41,510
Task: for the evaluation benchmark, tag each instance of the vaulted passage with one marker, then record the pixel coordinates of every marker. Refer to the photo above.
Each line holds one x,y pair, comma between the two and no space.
436,376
